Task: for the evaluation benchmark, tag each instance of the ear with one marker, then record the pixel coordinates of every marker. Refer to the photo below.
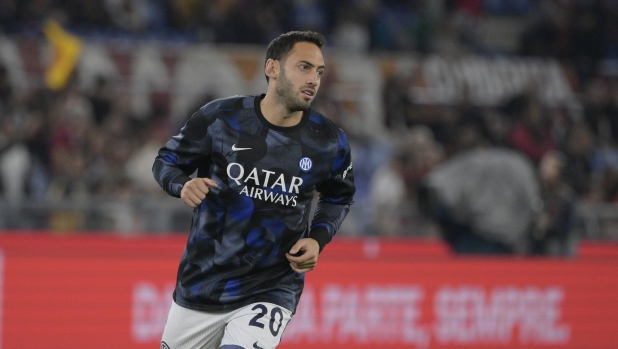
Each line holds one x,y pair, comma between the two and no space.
272,68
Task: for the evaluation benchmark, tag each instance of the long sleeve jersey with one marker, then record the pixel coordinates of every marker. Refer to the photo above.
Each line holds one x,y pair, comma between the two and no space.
267,177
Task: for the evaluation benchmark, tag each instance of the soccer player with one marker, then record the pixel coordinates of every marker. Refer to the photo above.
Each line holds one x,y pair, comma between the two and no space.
259,161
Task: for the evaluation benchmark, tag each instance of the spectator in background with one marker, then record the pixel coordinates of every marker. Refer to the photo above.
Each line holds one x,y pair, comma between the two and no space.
69,143
85,14
587,38
23,143
102,100
422,155
402,25
351,30
139,164
609,184
398,106
14,160
6,90
30,13
8,15
596,103
118,145
310,14
70,180
579,150
130,15
486,200
548,32
36,139
241,24
71,125
554,233
531,133
389,195
601,110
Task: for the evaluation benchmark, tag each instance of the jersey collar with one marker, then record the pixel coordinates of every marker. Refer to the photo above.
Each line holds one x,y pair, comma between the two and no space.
258,112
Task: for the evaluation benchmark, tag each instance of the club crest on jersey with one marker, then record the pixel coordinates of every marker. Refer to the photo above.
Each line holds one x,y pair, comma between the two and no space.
305,164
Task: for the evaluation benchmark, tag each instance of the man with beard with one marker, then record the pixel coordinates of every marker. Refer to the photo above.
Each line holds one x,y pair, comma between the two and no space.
259,160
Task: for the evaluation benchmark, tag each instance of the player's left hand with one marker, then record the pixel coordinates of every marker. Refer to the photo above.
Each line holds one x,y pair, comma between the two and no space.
303,256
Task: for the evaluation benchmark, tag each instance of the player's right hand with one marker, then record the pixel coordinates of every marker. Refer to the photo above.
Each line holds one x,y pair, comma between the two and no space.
195,190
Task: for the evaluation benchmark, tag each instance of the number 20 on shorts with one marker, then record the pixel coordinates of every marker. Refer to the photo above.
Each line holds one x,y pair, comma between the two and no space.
276,318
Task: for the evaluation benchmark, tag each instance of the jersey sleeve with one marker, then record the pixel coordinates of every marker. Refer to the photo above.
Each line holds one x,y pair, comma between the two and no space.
336,196
180,157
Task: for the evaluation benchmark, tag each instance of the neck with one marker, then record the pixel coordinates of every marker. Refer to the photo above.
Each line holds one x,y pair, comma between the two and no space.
277,114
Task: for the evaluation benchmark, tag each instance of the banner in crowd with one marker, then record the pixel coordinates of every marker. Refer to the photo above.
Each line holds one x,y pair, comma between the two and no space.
101,291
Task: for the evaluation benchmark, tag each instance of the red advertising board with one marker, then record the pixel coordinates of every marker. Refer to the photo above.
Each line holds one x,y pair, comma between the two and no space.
101,291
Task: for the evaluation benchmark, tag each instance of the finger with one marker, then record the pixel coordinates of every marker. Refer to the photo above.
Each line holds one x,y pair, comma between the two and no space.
194,199
188,202
297,249
302,260
296,258
201,186
303,264
309,266
210,182
298,254
198,193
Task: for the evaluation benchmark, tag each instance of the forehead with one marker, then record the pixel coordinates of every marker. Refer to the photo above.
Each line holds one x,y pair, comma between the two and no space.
306,51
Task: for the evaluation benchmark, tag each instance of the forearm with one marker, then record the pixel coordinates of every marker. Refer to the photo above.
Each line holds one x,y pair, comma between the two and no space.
326,221
169,176
179,157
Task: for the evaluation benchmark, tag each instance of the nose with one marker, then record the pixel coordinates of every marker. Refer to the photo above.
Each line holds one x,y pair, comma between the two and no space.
313,79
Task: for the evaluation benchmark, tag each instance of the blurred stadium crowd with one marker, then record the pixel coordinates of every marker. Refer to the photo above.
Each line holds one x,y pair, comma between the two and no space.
86,144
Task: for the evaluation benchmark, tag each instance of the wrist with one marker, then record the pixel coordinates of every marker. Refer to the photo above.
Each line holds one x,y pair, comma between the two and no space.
321,235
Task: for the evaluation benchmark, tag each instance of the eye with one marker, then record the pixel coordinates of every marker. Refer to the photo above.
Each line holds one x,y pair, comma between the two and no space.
320,72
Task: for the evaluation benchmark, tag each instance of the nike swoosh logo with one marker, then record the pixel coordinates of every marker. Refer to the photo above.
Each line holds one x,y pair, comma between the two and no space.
255,345
237,149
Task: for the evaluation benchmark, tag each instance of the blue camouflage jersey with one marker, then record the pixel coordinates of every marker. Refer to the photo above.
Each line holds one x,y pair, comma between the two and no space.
267,176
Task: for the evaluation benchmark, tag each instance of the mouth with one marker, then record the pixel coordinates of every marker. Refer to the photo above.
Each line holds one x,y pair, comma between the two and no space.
309,92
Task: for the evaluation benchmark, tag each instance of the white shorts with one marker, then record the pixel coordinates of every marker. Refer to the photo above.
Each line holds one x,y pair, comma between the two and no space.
255,326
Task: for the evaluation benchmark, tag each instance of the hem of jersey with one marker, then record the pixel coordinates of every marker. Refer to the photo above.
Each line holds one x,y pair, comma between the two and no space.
271,303
230,306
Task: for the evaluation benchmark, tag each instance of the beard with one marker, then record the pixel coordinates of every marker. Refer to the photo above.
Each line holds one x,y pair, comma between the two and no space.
286,95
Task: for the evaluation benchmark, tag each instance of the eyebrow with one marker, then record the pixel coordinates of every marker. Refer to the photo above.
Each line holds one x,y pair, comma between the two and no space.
311,64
